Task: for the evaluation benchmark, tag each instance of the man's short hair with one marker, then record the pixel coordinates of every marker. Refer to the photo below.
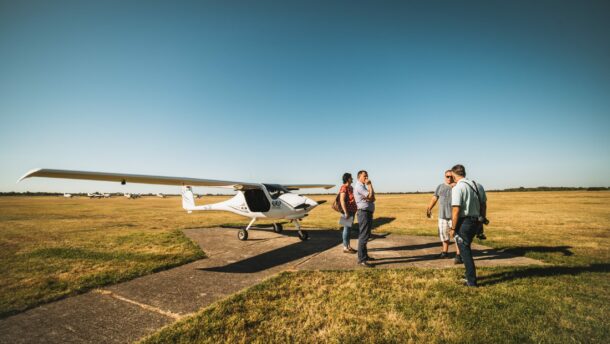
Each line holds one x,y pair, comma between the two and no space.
361,172
460,170
346,177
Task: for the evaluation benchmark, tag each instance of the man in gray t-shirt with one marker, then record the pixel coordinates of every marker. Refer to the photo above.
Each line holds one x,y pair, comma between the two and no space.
442,195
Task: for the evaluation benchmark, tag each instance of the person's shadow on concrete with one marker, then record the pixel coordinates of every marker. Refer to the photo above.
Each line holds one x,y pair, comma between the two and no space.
407,247
319,240
478,254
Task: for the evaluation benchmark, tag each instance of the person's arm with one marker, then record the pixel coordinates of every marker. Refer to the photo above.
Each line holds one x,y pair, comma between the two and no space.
362,191
369,187
343,205
455,212
456,202
431,206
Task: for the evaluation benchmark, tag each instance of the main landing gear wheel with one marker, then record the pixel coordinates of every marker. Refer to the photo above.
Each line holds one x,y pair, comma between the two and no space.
278,228
242,234
303,235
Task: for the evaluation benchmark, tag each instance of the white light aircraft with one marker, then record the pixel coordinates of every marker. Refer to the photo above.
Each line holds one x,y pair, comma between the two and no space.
98,195
132,195
253,200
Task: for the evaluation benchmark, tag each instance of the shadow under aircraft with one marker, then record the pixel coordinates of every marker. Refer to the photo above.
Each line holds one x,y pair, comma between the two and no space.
321,240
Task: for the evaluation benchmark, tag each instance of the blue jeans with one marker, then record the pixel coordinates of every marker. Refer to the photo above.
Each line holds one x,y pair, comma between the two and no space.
467,228
346,230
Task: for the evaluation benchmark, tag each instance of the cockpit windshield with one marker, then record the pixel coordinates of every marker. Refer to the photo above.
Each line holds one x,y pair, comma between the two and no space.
275,190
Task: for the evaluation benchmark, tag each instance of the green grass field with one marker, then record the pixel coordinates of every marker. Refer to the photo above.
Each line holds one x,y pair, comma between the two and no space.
52,247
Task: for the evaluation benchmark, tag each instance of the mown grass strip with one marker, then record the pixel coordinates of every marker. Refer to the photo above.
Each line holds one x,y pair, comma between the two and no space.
407,305
563,302
50,250
52,247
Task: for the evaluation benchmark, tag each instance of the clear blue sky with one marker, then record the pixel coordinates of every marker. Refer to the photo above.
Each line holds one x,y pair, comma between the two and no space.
517,91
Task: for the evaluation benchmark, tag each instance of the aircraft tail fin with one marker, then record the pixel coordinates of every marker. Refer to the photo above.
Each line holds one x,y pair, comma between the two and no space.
188,198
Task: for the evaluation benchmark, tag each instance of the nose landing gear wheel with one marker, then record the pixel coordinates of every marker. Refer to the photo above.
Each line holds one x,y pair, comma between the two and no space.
303,235
278,228
242,234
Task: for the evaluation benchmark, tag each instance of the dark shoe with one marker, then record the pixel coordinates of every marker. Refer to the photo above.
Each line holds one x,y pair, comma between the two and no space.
458,260
443,255
365,264
351,250
481,236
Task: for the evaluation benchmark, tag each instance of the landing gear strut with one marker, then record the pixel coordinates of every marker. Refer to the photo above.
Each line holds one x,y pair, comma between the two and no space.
243,232
303,235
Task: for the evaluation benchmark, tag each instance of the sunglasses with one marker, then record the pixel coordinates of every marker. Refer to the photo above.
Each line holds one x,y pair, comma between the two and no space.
448,176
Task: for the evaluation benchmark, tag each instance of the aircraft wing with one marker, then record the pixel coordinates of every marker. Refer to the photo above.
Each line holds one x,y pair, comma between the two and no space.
137,178
307,186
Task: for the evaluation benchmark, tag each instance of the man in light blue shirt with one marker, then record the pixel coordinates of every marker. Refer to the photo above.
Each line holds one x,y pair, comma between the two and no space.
468,203
365,202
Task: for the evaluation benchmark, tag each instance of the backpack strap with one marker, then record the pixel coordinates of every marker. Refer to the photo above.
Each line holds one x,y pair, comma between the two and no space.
476,192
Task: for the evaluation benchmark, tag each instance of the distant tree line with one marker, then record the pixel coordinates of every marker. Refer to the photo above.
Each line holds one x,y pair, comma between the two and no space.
554,188
521,189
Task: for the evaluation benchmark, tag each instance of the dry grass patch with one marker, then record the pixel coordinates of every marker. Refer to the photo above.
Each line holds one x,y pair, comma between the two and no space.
402,306
51,247
564,301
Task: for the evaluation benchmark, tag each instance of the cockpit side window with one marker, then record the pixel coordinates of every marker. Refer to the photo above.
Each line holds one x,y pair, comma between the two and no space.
275,191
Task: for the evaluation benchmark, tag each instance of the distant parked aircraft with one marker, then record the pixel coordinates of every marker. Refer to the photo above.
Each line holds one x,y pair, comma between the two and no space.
160,195
132,195
98,195
67,195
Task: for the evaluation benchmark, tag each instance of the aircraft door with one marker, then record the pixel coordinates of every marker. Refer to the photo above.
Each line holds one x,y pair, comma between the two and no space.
257,200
